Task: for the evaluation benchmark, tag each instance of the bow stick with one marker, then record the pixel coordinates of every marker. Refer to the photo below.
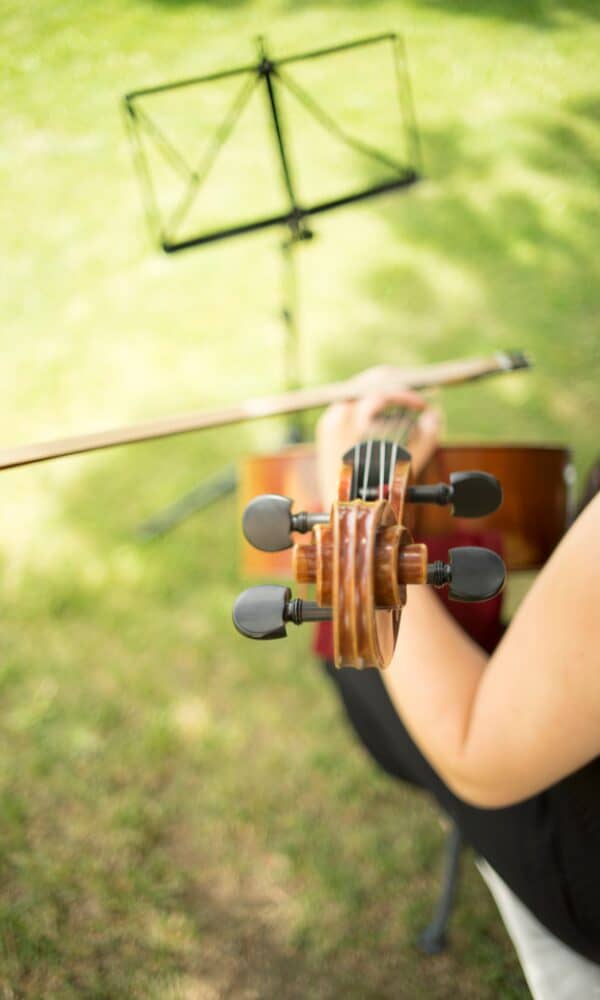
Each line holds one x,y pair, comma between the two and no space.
386,379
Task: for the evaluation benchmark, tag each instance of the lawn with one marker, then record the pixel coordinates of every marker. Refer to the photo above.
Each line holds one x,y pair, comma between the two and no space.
185,814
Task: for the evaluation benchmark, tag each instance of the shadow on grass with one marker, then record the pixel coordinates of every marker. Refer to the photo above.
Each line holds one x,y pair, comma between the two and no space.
543,14
508,244
187,4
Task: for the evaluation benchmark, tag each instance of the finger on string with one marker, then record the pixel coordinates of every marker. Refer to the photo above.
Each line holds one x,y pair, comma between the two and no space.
410,421
389,424
381,426
395,421
401,421
371,406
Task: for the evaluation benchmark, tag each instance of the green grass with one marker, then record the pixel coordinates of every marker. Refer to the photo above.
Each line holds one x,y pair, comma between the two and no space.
185,814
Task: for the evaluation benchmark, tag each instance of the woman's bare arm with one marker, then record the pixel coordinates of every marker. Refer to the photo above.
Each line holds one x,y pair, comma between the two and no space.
499,731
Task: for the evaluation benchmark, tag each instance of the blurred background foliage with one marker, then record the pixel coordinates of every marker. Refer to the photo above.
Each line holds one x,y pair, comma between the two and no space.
184,814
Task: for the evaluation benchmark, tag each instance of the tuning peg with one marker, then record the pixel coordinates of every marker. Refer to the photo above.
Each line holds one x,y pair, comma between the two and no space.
475,494
268,521
474,574
471,494
262,612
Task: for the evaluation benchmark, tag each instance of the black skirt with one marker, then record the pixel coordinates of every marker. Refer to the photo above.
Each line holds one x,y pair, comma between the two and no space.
546,848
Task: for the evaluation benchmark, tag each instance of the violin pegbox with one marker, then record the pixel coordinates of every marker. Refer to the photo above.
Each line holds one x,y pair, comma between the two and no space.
361,556
375,556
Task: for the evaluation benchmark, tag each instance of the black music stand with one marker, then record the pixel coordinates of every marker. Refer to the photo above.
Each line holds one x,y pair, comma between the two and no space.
272,74
395,173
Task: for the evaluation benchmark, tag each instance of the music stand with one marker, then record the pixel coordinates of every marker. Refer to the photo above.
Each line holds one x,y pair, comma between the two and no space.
295,214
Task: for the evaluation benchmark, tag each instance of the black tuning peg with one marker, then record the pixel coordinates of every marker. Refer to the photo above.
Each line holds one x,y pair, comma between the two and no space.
474,574
268,522
263,612
471,494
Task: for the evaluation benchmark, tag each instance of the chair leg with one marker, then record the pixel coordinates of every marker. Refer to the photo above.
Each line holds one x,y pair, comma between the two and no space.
433,939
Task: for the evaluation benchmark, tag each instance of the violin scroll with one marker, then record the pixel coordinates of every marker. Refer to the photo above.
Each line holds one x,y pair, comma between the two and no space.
361,557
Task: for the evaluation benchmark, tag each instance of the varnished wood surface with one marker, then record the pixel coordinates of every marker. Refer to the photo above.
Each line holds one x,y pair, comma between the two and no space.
537,486
367,595
291,472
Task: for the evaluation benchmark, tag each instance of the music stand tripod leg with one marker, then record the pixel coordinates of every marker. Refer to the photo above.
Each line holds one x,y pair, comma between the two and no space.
433,939
206,492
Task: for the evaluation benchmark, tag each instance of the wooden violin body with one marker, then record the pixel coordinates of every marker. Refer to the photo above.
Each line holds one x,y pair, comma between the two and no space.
360,562
537,481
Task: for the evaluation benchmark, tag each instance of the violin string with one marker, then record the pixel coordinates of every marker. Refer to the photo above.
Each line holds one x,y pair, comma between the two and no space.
410,419
392,425
367,471
405,421
386,426
392,468
396,420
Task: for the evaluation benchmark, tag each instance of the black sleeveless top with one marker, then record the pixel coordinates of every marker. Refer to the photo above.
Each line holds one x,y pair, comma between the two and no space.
547,848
